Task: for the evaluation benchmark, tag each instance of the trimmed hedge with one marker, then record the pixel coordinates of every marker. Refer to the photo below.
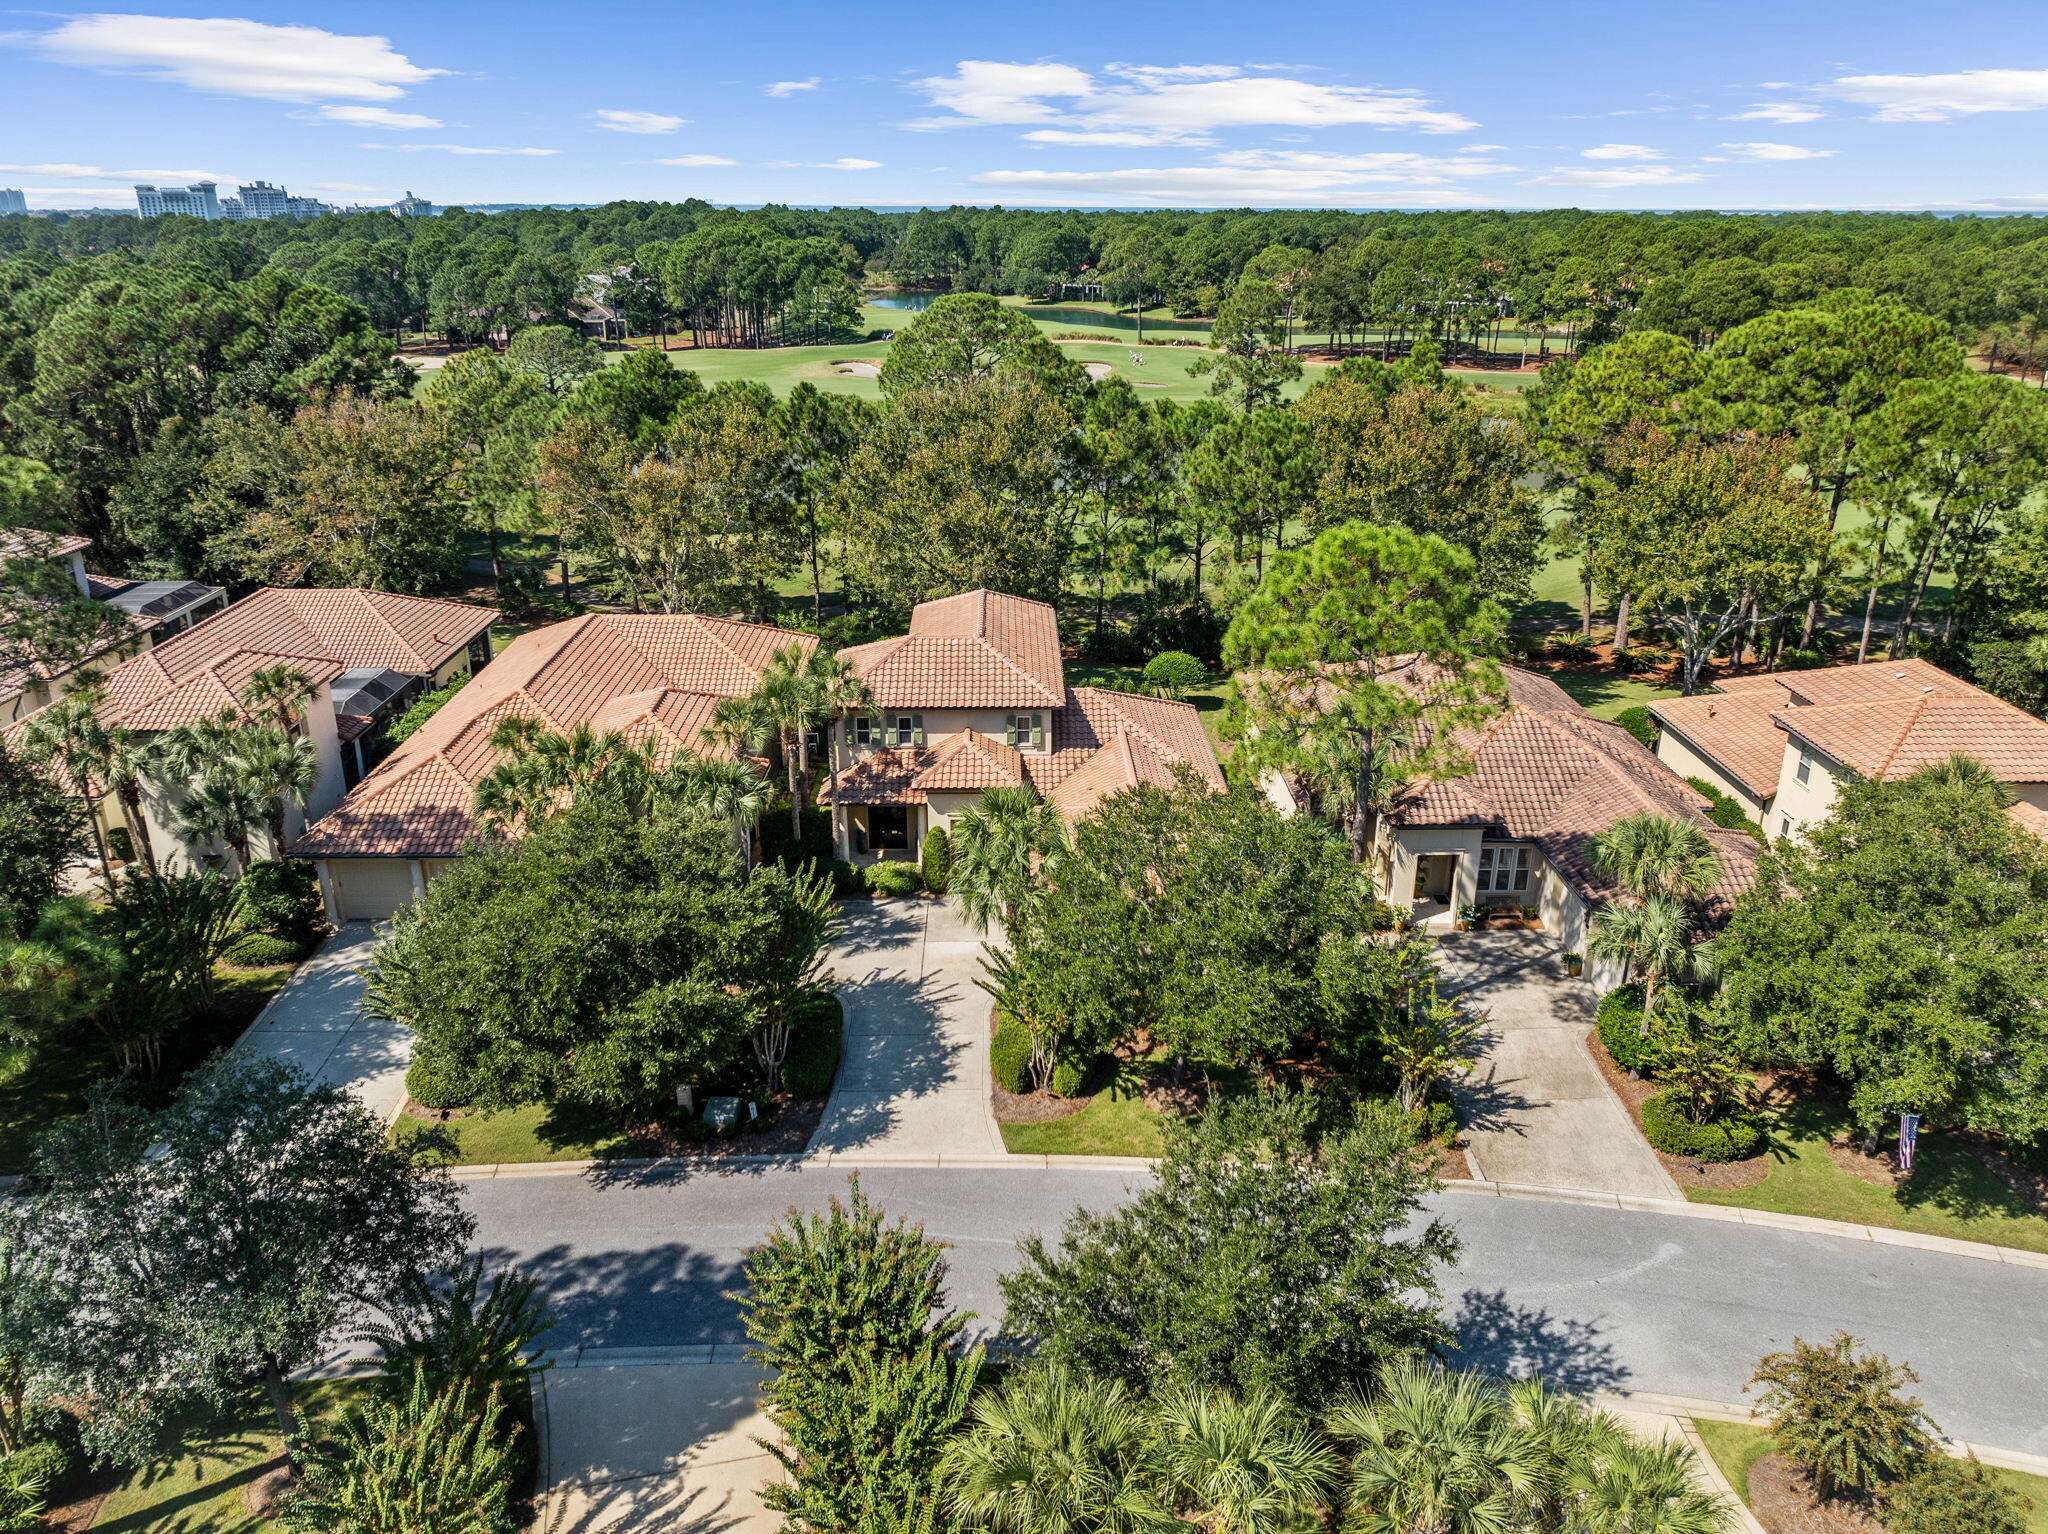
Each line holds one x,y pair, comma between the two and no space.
430,1089
1638,722
281,899
1621,1029
1009,1055
813,1057
259,950
892,878
1726,1139
1174,672
935,860
1067,1076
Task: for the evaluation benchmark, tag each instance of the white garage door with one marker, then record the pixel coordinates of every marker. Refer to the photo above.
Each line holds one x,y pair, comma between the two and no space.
371,889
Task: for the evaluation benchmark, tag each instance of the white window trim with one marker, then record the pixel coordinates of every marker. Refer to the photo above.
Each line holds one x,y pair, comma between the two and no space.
1504,868
1804,771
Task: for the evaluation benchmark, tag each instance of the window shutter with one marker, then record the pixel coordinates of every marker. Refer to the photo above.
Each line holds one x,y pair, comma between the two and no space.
1037,732
917,729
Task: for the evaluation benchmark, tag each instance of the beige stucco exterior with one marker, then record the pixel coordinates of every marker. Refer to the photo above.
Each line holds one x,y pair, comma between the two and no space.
1688,761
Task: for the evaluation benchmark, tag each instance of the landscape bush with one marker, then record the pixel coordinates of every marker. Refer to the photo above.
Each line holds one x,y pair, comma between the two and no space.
892,878
281,899
1796,659
424,707
813,1057
935,860
432,1089
812,844
1436,1121
846,878
1951,1496
1009,1055
1067,1077
1620,1021
1728,1138
1725,811
1173,672
1637,722
260,950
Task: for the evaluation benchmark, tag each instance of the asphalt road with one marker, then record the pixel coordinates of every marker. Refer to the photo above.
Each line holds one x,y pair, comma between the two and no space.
1592,1298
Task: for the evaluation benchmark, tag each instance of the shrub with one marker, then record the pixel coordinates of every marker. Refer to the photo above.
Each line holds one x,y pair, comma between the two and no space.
846,879
1951,1496
281,899
935,860
423,1459
25,1480
424,707
1637,722
259,950
1435,1121
1725,812
1067,1076
812,845
47,1460
1796,659
1009,1055
1173,672
2009,669
892,878
1728,1138
1573,652
1620,1021
813,1057
1839,1412
432,1089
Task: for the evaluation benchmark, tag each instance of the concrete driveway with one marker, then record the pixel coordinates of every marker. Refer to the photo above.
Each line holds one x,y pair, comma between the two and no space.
1537,1110
316,1022
913,1067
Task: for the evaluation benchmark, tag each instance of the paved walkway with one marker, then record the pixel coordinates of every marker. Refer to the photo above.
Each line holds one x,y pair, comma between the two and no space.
655,1445
316,1022
913,1068
1537,1110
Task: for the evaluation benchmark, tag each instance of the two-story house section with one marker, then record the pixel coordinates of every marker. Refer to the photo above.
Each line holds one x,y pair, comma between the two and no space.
974,697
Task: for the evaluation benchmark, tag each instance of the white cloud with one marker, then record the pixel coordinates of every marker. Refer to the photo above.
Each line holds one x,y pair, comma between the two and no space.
1936,98
789,87
236,57
1621,152
1480,148
1415,169
94,172
1776,152
1124,138
637,122
379,117
697,159
1620,175
457,149
1228,185
1173,99
1783,113
849,163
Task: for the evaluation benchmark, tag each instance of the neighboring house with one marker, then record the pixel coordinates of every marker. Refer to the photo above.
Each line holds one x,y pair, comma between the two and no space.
329,637
1781,745
156,611
1517,829
650,677
975,696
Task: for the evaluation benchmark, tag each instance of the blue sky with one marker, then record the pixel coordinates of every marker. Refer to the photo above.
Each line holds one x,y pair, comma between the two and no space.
1585,103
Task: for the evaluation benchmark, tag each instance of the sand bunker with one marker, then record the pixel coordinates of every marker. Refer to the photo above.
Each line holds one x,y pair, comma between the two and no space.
1097,369
859,369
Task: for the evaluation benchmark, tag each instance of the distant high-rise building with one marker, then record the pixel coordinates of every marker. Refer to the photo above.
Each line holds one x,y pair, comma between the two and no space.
262,200
196,200
410,206
12,201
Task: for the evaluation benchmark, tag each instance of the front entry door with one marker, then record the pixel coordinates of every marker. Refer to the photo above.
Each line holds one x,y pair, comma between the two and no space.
1438,870
888,827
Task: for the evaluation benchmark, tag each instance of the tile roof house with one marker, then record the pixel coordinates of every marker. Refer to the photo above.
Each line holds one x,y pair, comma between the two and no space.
651,677
1781,744
155,610
333,638
975,696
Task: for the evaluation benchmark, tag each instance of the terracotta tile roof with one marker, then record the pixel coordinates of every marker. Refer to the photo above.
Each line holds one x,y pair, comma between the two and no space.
33,543
348,726
1735,731
970,761
1897,736
321,633
980,649
2031,818
887,775
1548,772
651,677
1126,761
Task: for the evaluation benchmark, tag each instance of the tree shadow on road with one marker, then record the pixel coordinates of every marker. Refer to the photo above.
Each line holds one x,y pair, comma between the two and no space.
1503,1338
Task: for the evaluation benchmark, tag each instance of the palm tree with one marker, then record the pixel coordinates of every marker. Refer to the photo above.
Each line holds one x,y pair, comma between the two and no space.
1433,1453
1004,844
1053,1452
728,786
278,767
69,736
1651,855
1426,1041
281,689
1630,1487
539,766
1241,1467
801,692
130,758
221,808
1652,939
1560,1436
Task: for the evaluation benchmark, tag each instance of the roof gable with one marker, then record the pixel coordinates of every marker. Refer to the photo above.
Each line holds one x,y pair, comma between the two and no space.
980,649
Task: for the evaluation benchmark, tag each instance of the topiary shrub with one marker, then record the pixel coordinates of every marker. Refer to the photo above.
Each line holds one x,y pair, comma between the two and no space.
1067,1076
813,1057
431,1089
259,950
282,899
1009,1055
1951,1496
1620,1022
1639,723
935,860
1173,672
892,878
1729,1138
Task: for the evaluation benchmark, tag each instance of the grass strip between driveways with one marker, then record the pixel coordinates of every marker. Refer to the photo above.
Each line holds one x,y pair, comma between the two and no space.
1736,1446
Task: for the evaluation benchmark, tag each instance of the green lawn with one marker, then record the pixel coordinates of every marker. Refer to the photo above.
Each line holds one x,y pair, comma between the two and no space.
1736,1446
1116,1121
561,1133
201,1492
1207,699
1951,1193
1603,695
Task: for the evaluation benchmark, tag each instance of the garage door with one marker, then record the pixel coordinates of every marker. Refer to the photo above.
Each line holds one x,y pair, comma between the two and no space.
371,889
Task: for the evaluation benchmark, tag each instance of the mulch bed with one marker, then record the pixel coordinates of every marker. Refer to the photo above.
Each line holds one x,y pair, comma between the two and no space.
1784,1503
1033,1107
1720,1176
84,1495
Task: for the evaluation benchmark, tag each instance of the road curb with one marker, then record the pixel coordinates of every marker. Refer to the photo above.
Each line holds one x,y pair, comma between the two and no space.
827,1161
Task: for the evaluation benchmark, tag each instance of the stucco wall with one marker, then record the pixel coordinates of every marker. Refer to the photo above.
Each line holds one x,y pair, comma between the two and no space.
1677,753
1797,806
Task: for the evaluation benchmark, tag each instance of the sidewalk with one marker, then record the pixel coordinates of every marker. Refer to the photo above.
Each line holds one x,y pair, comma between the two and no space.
913,1062
316,1023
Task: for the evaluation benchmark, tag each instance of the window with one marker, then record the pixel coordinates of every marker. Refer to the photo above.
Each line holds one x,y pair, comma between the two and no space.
480,651
1804,771
1025,731
864,729
1784,825
1503,870
888,827
906,729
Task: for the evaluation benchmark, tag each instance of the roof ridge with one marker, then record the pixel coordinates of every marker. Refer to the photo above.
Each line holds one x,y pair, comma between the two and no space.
1163,747
378,613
